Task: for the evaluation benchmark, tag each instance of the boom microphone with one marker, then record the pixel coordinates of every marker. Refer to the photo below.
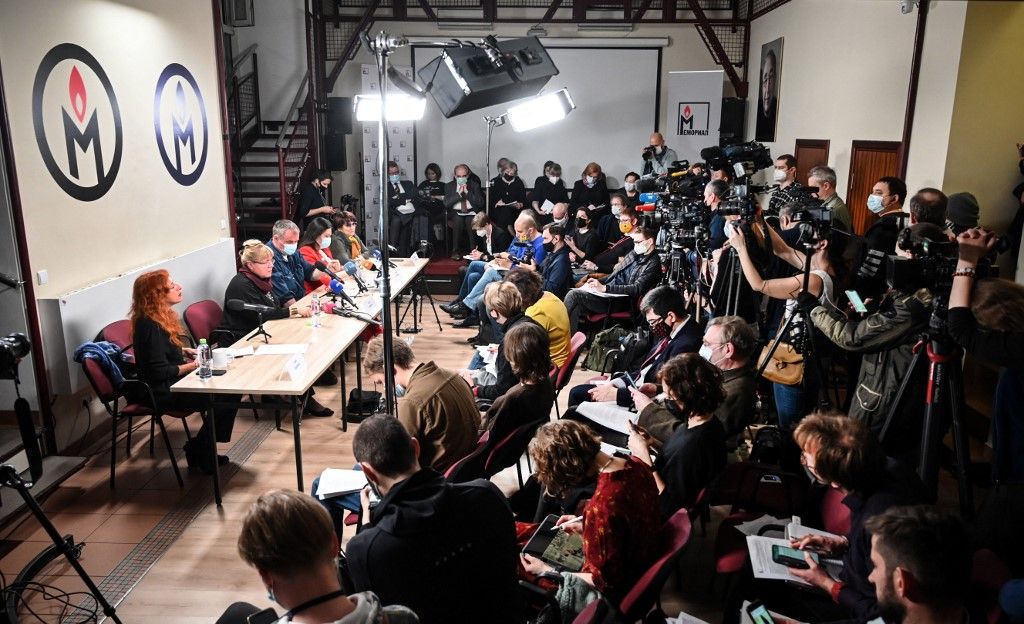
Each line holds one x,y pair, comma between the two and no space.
350,268
320,266
237,305
339,289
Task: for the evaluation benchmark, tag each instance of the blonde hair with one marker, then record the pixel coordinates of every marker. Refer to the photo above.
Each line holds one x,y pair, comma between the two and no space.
504,298
285,532
255,251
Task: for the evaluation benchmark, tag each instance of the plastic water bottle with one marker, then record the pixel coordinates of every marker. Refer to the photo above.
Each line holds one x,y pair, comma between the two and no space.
315,307
204,358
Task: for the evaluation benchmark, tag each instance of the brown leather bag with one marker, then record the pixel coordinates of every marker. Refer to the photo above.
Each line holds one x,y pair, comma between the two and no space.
786,366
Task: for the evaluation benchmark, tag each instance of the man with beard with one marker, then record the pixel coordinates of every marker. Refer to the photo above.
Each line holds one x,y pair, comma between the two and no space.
922,559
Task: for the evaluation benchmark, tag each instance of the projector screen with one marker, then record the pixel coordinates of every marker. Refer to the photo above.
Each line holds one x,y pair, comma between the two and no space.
616,95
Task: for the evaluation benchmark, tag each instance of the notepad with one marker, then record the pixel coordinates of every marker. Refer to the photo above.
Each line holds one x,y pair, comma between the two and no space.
335,482
281,349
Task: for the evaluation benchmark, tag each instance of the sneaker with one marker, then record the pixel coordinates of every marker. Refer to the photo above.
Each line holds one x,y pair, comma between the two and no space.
451,306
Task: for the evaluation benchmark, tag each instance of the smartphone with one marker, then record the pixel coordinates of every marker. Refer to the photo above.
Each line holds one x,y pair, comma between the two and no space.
217,372
758,613
791,557
856,301
629,381
266,616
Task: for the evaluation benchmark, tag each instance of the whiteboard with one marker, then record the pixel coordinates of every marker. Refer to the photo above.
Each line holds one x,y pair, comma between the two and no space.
616,95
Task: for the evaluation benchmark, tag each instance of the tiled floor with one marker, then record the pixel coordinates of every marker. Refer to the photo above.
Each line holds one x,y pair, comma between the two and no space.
168,554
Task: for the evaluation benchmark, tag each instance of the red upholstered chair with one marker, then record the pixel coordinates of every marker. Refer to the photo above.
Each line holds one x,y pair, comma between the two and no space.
119,333
202,319
564,372
110,395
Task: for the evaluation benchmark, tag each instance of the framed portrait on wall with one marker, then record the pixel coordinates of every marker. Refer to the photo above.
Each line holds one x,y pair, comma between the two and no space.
768,93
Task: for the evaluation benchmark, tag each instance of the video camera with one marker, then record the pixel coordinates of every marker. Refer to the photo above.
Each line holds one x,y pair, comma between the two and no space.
745,159
932,266
815,224
527,256
13,348
678,181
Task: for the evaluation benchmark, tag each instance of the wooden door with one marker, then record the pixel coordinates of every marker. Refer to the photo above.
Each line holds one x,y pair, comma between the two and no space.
809,153
869,160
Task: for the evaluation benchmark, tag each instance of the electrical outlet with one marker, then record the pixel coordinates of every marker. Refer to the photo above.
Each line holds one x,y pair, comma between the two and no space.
42,276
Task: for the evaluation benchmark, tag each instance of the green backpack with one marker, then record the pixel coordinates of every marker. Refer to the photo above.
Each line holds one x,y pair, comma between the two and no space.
603,356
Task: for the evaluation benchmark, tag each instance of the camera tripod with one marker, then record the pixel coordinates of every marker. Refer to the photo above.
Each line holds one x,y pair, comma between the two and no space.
808,345
944,397
418,290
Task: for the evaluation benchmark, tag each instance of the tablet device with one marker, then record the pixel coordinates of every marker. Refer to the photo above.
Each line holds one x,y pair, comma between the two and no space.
557,548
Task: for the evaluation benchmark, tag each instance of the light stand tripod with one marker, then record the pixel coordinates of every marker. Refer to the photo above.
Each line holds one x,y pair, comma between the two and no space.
808,346
418,290
943,397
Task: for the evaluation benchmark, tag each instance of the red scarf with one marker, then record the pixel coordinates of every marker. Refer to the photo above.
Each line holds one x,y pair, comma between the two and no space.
262,283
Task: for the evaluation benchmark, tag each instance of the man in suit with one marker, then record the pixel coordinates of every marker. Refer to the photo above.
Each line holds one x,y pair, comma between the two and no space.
401,210
463,199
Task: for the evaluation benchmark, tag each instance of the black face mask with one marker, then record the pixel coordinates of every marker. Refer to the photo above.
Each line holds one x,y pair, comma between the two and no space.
581,222
549,247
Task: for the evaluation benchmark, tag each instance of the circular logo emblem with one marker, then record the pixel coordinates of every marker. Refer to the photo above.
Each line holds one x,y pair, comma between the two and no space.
77,122
179,118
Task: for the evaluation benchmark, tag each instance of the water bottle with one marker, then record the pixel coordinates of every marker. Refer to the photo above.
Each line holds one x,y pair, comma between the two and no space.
203,357
314,306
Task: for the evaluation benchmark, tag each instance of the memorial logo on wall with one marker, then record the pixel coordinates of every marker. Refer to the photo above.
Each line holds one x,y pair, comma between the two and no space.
693,118
179,118
77,122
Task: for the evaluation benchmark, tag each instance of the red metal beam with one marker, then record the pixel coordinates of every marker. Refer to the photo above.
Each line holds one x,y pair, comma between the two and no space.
364,23
716,47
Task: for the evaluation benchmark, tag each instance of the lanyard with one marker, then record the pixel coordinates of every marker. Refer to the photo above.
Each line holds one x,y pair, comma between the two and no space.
309,604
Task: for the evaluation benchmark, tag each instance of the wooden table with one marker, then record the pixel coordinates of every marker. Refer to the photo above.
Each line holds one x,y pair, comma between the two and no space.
265,375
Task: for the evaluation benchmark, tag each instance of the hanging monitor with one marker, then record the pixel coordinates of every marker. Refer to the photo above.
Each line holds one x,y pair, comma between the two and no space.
471,78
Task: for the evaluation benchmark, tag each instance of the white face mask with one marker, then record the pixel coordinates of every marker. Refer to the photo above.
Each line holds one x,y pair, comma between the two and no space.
590,180
325,242
616,209
729,229
399,390
630,186
707,352
779,175
640,247
481,233
553,179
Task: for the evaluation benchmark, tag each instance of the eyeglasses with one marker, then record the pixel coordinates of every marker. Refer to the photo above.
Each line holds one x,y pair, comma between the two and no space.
656,320
713,344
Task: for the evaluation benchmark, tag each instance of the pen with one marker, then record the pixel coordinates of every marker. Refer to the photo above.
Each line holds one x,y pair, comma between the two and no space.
569,521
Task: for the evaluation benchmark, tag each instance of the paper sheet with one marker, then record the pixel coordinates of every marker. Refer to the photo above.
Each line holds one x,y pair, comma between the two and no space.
244,351
406,208
607,413
489,353
281,349
606,295
684,618
796,530
547,207
760,549
753,526
612,450
335,482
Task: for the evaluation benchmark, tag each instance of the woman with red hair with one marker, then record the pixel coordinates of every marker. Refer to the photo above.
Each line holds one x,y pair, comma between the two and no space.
162,359
591,193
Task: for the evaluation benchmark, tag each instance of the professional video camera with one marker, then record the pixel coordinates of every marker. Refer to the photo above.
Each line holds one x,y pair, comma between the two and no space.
745,159
13,347
527,256
815,224
678,181
932,266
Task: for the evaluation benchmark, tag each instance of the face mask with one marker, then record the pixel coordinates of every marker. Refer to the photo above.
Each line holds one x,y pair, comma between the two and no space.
640,248
616,210
509,179
522,238
461,181
581,223
394,179
810,475
325,243
481,233
553,179
630,186
590,180
399,390
625,227
779,176
707,352
290,248
549,247
875,204
660,330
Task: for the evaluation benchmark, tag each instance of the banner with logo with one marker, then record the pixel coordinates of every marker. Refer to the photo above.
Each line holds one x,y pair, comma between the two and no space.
694,111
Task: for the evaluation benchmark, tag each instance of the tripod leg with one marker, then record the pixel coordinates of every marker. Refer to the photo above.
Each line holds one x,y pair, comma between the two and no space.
960,443
898,399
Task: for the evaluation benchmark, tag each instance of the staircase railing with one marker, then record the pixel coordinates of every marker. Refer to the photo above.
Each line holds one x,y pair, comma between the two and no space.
291,158
243,97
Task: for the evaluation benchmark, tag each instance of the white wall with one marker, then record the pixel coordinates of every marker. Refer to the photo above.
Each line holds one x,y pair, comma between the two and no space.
844,77
280,31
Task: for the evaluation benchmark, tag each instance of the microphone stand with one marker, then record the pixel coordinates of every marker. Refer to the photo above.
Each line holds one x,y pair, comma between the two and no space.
260,331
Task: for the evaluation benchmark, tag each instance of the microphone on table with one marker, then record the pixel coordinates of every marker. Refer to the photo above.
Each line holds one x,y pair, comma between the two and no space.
237,305
359,315
320,266
350,268
339,289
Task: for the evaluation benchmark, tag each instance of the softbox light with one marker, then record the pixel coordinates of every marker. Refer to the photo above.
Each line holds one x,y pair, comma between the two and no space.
469,79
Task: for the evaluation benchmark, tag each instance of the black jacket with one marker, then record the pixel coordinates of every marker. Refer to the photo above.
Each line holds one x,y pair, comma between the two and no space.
607,259
398,195
156,357
506,378
507,192
635,276
583,196
689,462
687,340
447,551
238,324
453,200
544,190
500,240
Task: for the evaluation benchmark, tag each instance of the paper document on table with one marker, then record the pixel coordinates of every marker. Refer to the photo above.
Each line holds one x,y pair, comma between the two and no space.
335,482
371,306
753,526
547,207
607,413
244,351
281,349
684,618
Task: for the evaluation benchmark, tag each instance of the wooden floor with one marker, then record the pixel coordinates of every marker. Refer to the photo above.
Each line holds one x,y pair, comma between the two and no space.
194,574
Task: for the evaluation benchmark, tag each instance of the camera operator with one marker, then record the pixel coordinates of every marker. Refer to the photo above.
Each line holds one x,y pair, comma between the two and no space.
657,157
784,175
886,201
961,213
792,402
714,193
825,179
886,339
987,318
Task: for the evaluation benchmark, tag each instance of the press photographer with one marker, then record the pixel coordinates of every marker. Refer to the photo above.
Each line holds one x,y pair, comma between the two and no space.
657,157
887,339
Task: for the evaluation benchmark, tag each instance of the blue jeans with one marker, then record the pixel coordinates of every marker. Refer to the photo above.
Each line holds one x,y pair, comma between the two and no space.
473,273
489,277
792,403
339,506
